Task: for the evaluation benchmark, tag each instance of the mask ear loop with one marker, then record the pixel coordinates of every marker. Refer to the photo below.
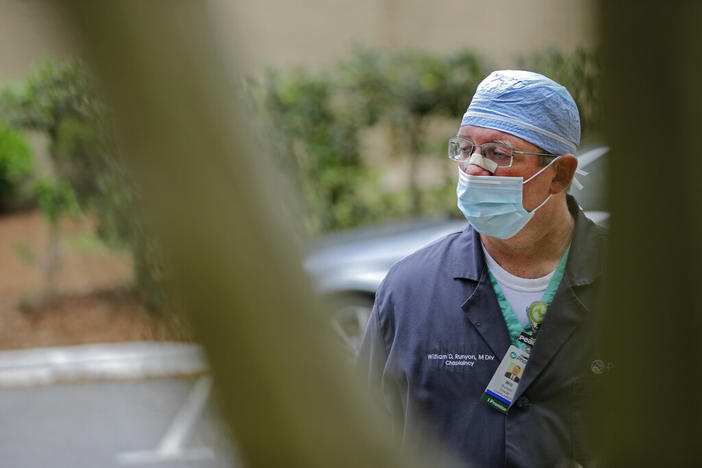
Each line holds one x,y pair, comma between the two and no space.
542,204
541,170
537,173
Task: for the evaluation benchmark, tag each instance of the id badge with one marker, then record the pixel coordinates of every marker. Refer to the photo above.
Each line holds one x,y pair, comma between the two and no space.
500,391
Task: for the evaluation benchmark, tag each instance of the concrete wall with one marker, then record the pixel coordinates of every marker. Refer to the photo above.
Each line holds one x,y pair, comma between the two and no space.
29,31
317,32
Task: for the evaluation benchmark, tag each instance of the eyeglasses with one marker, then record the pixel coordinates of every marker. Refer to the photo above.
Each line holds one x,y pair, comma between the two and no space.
460,149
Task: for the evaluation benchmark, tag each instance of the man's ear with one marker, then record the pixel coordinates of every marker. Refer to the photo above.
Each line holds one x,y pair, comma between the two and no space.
565,170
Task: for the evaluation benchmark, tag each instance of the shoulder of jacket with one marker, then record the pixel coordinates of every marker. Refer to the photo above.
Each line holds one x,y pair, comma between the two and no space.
413,271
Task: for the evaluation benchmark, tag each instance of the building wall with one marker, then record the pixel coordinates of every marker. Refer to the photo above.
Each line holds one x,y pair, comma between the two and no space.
317,32
29,31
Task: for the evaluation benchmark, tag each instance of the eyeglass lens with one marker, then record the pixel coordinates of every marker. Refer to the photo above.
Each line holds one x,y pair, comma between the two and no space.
496,152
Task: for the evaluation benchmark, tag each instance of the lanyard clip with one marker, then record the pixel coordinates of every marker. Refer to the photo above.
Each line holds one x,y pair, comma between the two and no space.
536,313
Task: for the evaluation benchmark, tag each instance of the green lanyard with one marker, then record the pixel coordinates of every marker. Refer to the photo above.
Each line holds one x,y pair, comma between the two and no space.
513,326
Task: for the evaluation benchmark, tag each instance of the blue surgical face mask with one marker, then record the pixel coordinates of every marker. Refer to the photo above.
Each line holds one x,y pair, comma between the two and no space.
493,204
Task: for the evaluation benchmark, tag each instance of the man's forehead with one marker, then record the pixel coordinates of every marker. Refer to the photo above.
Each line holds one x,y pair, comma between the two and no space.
475,133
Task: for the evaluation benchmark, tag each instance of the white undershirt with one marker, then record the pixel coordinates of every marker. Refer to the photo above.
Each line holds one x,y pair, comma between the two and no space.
519,292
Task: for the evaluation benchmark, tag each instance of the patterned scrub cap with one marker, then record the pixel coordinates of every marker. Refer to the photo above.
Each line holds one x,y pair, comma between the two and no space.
529,106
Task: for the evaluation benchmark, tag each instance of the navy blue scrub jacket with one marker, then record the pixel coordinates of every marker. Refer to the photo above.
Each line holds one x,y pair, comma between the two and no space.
436,336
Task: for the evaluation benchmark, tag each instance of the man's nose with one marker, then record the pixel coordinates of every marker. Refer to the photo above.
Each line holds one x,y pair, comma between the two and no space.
474,169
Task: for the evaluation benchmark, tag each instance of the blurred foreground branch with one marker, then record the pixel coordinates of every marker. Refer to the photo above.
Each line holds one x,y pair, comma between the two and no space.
649,413
212,201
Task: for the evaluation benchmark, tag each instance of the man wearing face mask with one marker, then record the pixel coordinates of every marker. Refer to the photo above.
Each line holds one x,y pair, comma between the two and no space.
518,287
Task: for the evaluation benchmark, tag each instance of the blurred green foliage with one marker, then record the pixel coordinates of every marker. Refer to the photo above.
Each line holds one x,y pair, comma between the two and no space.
15,164
316,122
316,138
60,101
313,123
55,199
405,90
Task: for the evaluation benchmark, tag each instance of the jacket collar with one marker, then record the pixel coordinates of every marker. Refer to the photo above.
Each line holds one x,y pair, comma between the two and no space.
585,263
469,264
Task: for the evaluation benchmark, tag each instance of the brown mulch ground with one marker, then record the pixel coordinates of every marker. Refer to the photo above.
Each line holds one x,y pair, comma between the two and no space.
93,302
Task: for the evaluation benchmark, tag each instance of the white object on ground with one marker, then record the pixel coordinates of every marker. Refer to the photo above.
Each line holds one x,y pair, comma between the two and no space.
108,361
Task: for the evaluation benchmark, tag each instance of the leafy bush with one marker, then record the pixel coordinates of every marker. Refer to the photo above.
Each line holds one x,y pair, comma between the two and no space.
15,164
55,199
317,140
60,100
412,88
317,121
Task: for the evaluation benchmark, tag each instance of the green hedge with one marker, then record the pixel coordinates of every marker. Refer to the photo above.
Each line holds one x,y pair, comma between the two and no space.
15,165
312,123
60,101
315,122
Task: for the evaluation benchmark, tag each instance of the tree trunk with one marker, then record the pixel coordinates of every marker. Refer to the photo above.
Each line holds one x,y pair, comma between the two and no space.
649,414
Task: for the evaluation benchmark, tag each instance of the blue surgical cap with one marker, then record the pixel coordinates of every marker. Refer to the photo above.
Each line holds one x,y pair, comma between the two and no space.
529,106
